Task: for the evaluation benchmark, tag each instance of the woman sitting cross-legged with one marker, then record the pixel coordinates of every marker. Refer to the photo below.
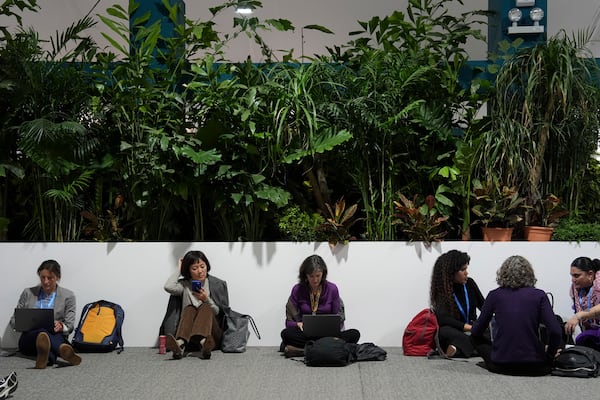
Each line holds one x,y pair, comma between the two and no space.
314,294
516,309
455,299
203,301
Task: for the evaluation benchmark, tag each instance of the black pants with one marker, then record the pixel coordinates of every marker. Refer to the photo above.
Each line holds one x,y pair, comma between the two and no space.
295,337
484,348
449,335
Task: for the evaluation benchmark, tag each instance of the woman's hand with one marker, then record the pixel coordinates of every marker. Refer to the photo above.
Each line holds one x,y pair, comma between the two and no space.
571,324
201,295
58,326
300,325
558,351
467,328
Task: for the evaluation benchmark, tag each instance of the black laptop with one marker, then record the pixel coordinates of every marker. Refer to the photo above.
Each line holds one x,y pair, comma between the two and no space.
27,319
321,325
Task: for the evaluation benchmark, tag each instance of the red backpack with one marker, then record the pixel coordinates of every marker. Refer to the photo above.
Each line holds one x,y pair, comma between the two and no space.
419,335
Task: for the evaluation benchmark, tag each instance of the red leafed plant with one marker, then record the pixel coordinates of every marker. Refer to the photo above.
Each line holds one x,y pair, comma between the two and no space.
339,220
420,219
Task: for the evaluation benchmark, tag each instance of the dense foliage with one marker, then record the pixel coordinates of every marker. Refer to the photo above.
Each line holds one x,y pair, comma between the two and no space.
162,138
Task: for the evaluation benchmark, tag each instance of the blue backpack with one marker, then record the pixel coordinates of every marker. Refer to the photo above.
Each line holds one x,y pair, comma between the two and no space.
99,328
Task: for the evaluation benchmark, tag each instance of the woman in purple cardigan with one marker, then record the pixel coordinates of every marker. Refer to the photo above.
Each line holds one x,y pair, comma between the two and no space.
517,309
314,294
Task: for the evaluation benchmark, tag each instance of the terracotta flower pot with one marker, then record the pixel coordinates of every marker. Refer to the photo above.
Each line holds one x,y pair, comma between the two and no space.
538,233
497,234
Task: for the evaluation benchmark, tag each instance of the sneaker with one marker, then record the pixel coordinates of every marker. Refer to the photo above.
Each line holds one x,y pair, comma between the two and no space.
451,351
42,345
207,348
8,385
67,353
173,346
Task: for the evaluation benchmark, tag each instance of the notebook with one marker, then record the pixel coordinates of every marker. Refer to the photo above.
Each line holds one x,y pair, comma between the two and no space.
27,319
321,325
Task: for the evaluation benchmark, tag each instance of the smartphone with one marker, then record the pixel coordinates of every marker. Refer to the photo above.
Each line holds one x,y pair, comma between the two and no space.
196,285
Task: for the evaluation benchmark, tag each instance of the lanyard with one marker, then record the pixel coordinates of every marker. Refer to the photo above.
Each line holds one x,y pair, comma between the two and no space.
314,300
460,308
45,301
589,298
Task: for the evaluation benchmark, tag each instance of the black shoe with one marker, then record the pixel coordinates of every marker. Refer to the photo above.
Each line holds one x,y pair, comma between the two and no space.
8,385
291,351
207,348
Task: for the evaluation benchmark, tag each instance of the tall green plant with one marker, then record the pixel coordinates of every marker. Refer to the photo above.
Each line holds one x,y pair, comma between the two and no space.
307,99
405,95
545,119
144,102
186,123
45,144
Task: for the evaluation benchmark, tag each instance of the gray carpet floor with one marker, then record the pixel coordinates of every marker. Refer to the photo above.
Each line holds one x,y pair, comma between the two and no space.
262,373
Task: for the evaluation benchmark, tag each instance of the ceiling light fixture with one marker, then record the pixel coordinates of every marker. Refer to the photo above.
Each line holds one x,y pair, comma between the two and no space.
244,10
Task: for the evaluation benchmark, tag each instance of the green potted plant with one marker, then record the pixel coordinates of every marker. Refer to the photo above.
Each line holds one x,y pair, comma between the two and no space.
498,208
546,96
542,217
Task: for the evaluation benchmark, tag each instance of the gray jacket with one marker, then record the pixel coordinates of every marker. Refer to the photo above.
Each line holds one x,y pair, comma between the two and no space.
218,294
64,306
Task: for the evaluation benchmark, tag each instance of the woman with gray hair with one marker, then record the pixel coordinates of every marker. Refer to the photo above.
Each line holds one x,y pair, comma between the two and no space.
518,309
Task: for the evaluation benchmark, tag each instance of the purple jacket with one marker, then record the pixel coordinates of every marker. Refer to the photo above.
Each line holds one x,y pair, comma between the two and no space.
299,302
517,314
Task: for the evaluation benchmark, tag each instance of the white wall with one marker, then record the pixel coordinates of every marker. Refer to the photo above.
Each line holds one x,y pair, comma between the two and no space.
383,284
340,16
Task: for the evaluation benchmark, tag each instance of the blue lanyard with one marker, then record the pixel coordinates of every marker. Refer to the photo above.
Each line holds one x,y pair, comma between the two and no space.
460,308
45,301
589,298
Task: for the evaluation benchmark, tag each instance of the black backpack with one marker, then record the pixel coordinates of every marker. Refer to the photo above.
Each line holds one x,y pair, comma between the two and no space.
578,362
327,352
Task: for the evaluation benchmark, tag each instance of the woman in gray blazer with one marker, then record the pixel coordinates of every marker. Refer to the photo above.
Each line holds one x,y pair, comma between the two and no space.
43,343
203,298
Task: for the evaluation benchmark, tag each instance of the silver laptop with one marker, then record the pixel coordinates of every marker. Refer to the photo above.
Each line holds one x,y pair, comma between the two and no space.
27,319
321,325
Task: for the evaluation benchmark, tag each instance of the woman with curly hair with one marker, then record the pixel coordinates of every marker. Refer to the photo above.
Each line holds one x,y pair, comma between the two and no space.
455,299
516,309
